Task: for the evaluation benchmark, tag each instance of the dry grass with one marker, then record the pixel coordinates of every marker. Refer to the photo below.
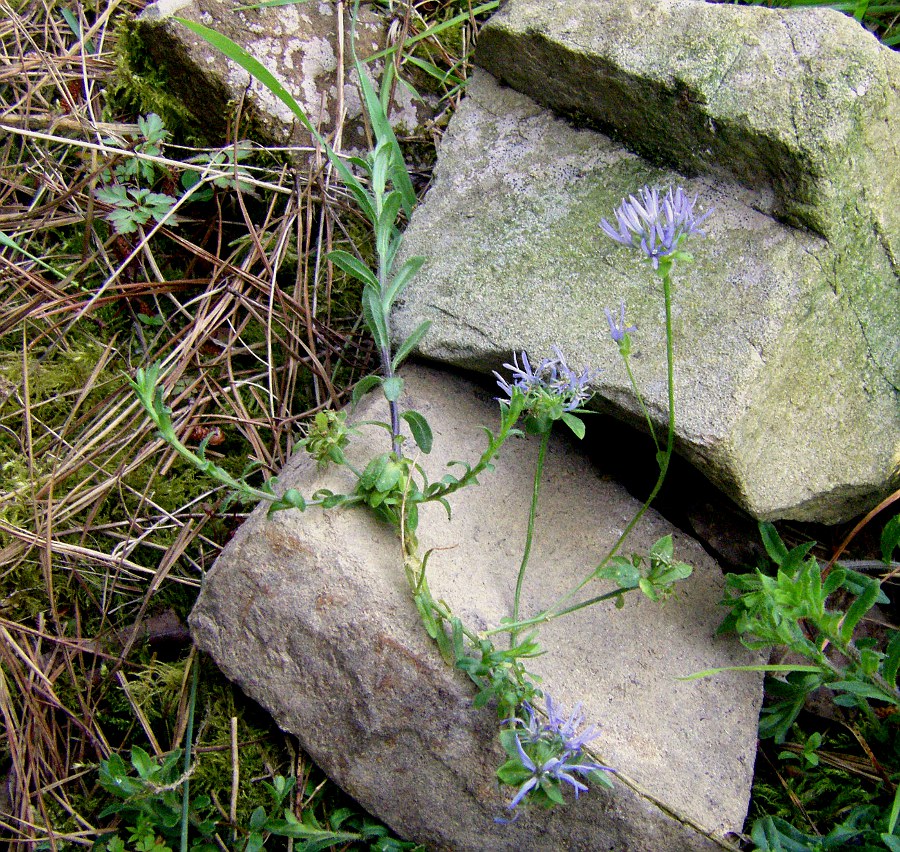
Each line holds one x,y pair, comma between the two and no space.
101,527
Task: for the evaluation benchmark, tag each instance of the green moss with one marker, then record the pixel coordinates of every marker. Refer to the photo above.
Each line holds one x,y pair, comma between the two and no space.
144,84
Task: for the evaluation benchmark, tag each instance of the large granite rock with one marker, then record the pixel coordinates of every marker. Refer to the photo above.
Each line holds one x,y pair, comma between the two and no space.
787,327
311,615
297,43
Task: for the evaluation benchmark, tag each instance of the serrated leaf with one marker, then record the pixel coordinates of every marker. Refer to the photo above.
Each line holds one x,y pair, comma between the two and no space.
420,429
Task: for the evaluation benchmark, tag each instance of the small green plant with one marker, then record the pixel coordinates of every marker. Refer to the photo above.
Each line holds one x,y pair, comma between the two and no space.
226,159
134,207
150,142
814,613
149,801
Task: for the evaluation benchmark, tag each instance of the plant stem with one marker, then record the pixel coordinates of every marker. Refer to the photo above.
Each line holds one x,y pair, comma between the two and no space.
188,740
529,534
640,400
560,606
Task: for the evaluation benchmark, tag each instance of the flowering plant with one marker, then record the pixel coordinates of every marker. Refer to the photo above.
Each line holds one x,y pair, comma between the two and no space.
543,756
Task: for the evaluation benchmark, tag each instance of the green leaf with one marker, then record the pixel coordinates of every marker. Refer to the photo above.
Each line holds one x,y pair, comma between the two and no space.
663,549
623,571
513,773
385,227
258,819
389,477
256,69
392,387
760,668
890,538
363,386
858,609
574,423
772,542
891,661
144,765
404,275
410,343
374,317
864,690
374,470
352,266
384,131
895,813
420,429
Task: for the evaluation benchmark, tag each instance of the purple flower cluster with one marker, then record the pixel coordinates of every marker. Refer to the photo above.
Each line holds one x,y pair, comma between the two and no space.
656,226
556,750
552,377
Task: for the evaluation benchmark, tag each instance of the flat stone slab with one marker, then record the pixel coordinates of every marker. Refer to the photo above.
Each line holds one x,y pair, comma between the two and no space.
787,370
311,615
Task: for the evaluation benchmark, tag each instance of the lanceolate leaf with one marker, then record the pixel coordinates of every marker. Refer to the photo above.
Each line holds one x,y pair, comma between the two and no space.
892,659
383,130
420,429
363,386
858,609
410,343
374,317
404,275
773,543
256,69
346,261
385,227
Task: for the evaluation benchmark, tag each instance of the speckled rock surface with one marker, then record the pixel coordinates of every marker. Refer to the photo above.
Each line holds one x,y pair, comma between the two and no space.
787,326
310,614
297,43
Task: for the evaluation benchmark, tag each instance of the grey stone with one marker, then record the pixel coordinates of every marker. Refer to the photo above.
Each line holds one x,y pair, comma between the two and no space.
786,340
298,44
311,615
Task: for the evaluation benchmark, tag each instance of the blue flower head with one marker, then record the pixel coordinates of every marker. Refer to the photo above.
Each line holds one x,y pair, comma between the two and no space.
618,330
656,226
550,754
552,383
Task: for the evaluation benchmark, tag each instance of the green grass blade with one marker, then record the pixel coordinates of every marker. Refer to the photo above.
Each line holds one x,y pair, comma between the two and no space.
767,669
9,242
436,28
256,69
